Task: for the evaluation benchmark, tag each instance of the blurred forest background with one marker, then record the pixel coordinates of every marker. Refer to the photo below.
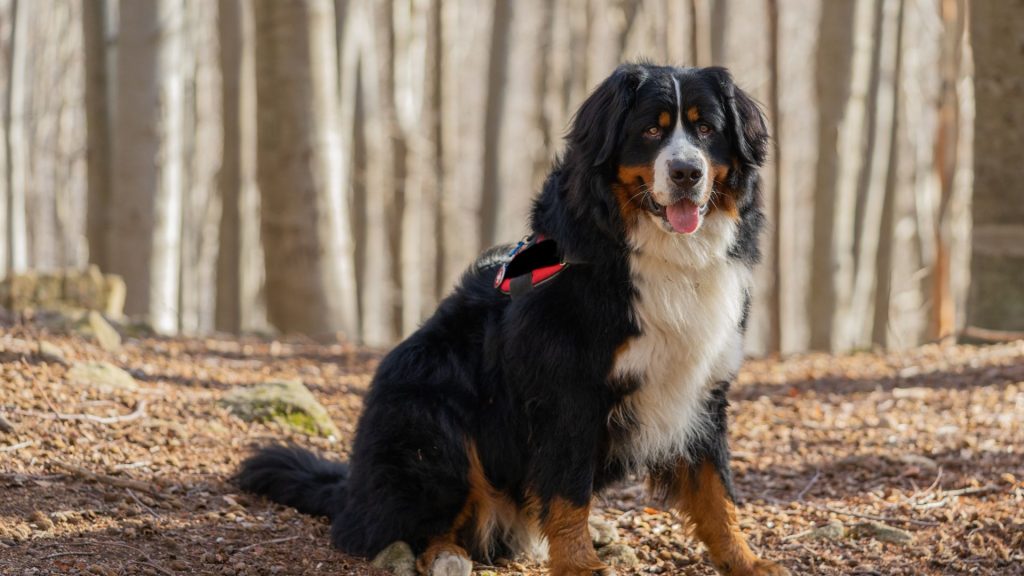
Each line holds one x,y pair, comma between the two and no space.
322,166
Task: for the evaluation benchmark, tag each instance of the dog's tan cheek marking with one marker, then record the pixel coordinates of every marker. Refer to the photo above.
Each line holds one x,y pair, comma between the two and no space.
703,499
568,533
724,200
664,119
692,114
628,192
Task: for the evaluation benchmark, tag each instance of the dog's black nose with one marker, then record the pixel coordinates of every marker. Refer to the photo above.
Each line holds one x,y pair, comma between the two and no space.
684,173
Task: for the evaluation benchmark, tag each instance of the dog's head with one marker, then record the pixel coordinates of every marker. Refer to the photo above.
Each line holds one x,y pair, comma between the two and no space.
676,146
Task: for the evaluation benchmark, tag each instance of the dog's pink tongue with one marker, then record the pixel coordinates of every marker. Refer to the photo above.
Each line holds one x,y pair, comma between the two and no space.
684,216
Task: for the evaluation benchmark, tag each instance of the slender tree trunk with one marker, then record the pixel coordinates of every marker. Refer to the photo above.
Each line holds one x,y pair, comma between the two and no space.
778,227
98,145
239,305
887,224
490,186
305,220
17,142
7,13
996,299
843,67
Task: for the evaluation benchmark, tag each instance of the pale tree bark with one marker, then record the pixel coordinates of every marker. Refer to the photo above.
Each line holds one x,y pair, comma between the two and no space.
843,70
143,239
7,13
304,217
201,213
996,299
17,138
887,223
239,306
98,145
872,186
779,245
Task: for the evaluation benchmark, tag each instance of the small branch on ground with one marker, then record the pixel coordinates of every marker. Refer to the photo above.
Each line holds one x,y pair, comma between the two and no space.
17,446
104,479
59,554
274,541
5,425
143,504
800,495
887,519
139,412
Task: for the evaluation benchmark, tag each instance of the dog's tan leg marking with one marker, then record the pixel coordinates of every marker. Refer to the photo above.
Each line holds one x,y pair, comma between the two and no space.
569,545
701,496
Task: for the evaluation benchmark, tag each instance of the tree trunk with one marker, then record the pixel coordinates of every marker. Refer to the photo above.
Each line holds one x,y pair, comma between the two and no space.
490,186
97,118
843,68
17,139
143,239
996,300
305,221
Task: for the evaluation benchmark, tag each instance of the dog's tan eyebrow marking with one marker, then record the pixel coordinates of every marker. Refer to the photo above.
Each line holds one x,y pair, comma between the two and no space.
664,119
692,114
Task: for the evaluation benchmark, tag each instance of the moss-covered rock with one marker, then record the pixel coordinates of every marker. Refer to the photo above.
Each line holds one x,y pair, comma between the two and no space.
397,559
102,376
287,402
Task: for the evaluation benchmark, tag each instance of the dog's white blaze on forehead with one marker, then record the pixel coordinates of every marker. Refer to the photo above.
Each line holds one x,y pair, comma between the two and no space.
689,306
678,146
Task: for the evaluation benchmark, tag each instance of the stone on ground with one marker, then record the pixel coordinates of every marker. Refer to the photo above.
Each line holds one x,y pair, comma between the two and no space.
287,402
105,334
618,556
882,533
397,559
50,352
602,532
102,376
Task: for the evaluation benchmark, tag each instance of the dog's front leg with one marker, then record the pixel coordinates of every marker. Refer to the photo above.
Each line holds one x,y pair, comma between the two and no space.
700,488
702,497
561,481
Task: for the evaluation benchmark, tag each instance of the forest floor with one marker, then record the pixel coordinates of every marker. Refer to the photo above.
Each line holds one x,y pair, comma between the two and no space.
928,441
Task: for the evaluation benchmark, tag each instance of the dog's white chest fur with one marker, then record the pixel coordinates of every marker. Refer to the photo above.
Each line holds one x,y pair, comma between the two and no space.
690,304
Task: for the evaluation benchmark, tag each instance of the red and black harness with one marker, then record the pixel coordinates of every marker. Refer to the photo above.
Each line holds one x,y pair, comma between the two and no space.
535,260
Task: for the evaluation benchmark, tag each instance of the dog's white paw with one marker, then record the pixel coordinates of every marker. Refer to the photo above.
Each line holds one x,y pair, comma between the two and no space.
450,564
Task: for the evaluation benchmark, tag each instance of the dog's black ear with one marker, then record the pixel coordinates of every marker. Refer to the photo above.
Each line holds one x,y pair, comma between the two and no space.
598,124
748,125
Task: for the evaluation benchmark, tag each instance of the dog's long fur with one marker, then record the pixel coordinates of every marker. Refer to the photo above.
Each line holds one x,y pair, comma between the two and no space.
500,418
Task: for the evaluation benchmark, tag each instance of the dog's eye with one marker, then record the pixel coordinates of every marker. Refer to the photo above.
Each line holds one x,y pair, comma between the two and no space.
704,129
653,132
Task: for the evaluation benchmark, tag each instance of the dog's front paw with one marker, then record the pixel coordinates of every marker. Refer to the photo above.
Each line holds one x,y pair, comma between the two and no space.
451,564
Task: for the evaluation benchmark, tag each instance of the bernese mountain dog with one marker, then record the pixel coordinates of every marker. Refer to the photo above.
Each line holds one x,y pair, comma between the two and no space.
490,429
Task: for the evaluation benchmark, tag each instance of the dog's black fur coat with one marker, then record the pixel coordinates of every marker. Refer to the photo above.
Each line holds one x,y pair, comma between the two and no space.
528,380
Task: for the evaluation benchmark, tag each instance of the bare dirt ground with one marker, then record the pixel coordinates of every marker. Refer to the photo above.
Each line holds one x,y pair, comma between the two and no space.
929,441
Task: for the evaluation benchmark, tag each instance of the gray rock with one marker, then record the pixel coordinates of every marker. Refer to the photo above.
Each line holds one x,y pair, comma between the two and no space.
50,352
602,532
618,556
397,559
104,333
287,402
5,425
103,376
834,530
882,533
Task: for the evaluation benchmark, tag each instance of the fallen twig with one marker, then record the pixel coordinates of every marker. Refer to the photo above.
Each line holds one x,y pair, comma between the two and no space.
971,491
153,566
17,446
274,541
139,412
143,504
873,516
59,554
104,479
5,425
800,495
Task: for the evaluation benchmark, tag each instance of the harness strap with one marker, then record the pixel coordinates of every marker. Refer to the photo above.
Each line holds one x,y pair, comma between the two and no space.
532,262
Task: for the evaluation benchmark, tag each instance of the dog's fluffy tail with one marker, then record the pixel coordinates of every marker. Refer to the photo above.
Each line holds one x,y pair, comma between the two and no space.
296,477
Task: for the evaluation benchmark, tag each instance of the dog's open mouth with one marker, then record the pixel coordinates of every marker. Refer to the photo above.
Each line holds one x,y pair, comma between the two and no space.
684,217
